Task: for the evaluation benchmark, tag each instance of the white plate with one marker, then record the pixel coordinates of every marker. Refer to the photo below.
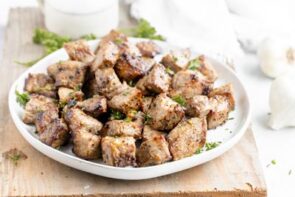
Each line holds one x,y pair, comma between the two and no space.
229,134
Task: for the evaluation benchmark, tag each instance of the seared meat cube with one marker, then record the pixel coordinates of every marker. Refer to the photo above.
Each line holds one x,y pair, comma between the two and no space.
146,102
187,137
79,51
37,104
40,84
198,106
141,85
149,133
107,55
55,134
177,60
124,128
78,121
129,67
189,83
148,48
153,151
113,36
94,106
69,74
45,118
165,113
158,80
128,99
90,88
86,145
118,151
67,94
207,69
108,82
220,110
128,47
225,90
147,64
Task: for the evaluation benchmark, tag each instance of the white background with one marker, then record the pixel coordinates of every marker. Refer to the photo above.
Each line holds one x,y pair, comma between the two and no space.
272,145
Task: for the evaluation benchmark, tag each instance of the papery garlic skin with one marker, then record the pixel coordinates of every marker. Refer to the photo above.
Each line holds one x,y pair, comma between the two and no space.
282,101
275,56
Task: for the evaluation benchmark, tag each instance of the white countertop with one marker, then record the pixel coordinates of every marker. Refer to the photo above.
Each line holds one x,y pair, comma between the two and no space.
272,145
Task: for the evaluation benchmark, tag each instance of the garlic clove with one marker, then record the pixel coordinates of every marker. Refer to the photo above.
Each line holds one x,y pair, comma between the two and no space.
282,101
275,57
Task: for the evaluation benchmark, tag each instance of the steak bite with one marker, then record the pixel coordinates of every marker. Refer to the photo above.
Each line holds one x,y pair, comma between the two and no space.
124,128
207,69
94,106
67,94
177,60
40,84
129,67
86,145
55,134
78,121
79,51
149,133
187,137
148,48
227,91
157,80
188,83
153,151
146,102
106,56
69,74
128,99
164,112
37,104
198,106
45,118
113,36
108,83
119,151
220,110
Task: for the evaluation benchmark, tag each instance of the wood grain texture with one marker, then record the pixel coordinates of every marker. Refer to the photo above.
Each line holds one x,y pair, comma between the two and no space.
236,173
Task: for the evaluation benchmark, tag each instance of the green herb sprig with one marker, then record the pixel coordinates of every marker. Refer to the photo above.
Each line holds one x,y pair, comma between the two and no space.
22,98
116,115
143,30
194,64
179,99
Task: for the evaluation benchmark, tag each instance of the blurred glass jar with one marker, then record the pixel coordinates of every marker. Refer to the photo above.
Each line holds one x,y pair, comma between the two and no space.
76,18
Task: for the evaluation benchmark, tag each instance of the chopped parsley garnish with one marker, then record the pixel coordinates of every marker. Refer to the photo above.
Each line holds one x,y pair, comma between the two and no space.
147,118
169,71
116,115
211,145
118,41
89,37
194,64
22,98
231,118
175,59
29,63
131,83
51,41
199,150
143,30
179,99
272,162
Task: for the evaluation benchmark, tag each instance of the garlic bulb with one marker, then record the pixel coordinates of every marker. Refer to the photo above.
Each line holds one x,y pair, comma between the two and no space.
282,101
275,57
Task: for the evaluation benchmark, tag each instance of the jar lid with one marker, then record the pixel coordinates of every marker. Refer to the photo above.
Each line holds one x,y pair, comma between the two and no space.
80,6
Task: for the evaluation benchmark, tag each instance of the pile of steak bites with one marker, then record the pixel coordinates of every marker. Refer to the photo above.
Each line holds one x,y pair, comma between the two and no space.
119,104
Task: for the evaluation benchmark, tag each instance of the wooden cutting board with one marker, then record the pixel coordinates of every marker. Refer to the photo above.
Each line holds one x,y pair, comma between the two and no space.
236,173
